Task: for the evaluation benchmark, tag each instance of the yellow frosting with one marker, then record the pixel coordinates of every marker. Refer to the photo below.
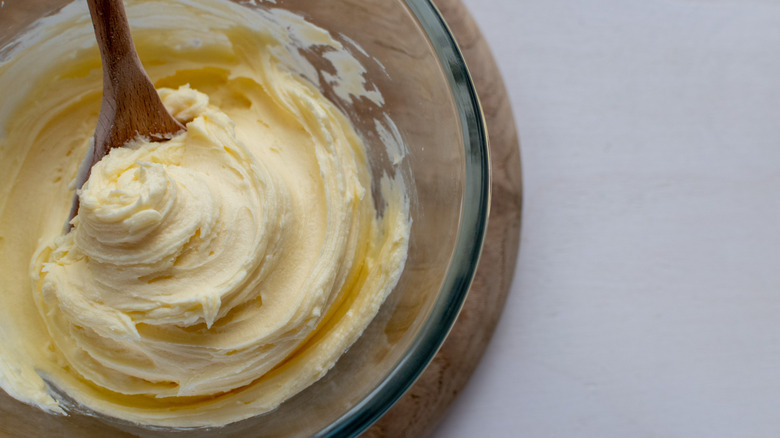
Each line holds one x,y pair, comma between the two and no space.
207,278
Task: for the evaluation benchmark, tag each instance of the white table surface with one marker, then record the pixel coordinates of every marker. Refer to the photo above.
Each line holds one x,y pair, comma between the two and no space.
646,300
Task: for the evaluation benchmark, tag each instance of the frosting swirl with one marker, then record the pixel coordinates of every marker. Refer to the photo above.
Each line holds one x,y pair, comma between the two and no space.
187,272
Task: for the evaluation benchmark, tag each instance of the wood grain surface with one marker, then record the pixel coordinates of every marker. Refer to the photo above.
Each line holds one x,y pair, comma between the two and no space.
422,408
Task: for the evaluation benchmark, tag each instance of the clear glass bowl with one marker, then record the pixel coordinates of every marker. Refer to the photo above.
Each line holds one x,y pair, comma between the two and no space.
415,63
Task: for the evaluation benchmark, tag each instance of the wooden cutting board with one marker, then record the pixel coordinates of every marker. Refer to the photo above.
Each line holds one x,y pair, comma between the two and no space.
421,409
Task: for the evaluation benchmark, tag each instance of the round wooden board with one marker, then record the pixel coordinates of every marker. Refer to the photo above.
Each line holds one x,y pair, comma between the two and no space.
421,409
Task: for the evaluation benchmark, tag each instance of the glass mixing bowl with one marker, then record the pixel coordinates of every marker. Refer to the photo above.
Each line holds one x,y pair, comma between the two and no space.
413,60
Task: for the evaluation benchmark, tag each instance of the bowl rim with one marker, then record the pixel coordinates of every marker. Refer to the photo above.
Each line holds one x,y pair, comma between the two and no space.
474,214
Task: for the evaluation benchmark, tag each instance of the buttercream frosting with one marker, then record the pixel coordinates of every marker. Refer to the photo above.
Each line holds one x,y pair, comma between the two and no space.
207,278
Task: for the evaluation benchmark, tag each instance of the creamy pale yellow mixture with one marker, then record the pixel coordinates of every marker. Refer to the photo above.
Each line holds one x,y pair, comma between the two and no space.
207,278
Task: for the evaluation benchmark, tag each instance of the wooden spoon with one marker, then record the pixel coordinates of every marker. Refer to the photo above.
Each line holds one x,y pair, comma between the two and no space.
131,107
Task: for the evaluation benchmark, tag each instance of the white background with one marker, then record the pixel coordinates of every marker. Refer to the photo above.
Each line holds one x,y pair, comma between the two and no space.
646,300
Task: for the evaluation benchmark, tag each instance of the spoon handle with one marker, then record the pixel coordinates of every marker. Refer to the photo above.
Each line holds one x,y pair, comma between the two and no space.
131,106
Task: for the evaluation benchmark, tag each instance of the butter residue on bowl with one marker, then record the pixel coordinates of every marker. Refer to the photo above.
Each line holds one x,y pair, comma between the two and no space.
207,278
